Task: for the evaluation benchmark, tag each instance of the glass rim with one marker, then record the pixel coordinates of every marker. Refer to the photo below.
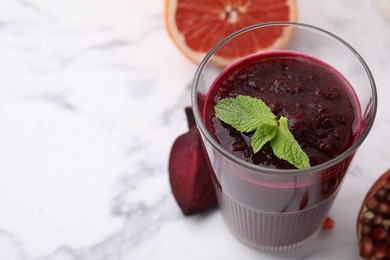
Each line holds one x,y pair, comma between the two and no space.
271,171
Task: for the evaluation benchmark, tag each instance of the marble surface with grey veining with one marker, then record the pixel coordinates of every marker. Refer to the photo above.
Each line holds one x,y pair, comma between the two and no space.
92,96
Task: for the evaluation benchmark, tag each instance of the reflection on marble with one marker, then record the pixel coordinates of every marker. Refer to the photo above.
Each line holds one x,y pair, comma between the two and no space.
92,95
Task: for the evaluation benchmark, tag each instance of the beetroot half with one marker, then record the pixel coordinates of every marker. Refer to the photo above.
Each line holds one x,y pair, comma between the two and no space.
189,173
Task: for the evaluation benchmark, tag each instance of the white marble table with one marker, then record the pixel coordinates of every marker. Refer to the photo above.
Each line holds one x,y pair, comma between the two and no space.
92,95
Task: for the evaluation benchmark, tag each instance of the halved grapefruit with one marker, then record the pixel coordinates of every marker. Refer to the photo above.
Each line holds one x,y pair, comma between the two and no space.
196,26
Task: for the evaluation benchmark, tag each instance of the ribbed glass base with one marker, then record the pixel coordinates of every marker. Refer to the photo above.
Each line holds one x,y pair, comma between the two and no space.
273,232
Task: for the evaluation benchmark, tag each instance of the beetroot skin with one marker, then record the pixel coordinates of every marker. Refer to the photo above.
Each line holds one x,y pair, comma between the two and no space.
189,174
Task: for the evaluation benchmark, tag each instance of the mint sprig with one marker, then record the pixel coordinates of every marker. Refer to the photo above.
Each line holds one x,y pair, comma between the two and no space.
247,114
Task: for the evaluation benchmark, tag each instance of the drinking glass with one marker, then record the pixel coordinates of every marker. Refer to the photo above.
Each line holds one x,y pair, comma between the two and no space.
277,210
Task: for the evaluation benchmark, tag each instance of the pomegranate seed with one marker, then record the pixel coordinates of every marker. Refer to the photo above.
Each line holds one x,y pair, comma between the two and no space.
372,203
384,207
328,224
380,234
368,216
366,229
381,193
381,252
366,247
377,220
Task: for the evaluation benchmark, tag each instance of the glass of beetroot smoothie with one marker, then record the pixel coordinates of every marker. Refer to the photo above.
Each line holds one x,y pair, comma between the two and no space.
326,91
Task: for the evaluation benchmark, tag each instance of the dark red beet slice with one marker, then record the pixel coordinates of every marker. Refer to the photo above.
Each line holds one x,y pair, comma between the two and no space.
189,173
374,221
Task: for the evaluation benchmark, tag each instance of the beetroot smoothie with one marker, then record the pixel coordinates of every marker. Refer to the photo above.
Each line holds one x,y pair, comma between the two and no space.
323,115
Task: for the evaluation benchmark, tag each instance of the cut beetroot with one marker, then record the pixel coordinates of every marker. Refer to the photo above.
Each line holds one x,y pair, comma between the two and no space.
374,221
189,173
190,117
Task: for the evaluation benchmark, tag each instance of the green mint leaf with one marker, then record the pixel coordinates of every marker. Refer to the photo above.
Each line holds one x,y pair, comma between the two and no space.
244,113
287,148
263,134
247,114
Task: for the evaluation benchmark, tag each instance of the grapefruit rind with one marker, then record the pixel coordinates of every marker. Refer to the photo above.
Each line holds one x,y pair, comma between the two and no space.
197,56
